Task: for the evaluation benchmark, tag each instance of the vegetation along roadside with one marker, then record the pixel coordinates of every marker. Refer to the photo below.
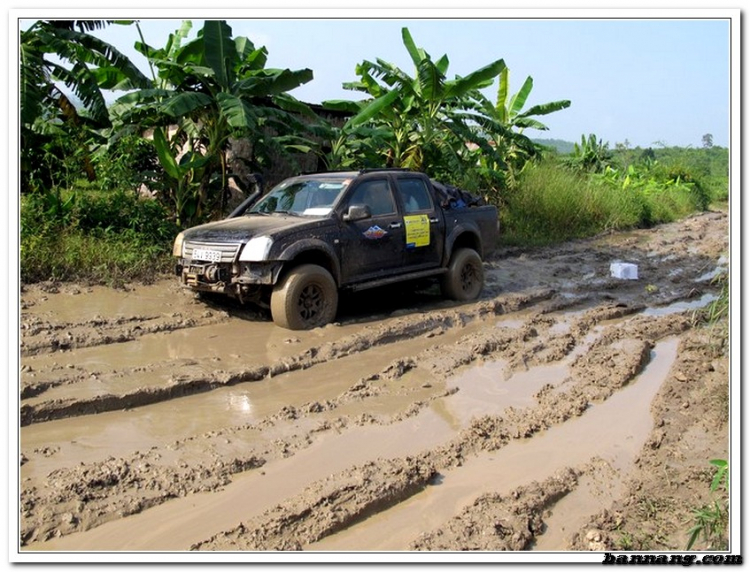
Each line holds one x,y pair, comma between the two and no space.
106,186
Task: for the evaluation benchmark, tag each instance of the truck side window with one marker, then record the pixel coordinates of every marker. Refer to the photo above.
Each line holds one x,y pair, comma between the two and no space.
414,195
376,195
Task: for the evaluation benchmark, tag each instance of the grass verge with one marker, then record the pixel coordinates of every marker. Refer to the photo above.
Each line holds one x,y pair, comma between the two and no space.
110,259
553,204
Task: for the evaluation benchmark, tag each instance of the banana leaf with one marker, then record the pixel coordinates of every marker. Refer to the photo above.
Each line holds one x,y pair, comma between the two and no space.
431,81
185,103
546,108
238,113
164,153
220,52
372,109
461,86
519,100
418,55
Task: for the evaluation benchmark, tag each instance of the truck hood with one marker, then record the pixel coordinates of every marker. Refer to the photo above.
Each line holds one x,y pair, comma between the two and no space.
242,228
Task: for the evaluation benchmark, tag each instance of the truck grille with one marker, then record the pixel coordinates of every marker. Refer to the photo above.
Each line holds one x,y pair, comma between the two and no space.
228,250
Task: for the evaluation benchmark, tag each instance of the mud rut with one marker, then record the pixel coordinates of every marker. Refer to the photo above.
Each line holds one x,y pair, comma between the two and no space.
151,420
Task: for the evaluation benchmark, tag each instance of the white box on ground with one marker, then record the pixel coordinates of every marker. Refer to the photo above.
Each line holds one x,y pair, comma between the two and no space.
624,270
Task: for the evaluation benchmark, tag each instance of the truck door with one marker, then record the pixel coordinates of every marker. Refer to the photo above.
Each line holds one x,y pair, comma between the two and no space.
375,245
424,225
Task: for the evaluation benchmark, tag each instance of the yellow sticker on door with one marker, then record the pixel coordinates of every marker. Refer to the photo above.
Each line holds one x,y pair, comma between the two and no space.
417,230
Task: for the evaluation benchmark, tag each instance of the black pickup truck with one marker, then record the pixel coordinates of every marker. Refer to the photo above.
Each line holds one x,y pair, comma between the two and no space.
297,246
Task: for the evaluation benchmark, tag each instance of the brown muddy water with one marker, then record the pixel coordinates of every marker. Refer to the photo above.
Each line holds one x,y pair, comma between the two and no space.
577,442
608,431
153,421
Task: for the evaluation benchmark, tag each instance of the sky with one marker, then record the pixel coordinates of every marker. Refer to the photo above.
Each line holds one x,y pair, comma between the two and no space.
638,77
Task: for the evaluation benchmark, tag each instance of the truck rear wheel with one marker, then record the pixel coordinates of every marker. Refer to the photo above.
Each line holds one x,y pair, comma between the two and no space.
465,277
306,298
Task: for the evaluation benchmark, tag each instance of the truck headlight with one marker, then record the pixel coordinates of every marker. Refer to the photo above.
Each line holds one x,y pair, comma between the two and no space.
257,249
177,248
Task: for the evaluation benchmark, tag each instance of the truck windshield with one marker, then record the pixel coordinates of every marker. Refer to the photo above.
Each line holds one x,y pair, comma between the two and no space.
310,197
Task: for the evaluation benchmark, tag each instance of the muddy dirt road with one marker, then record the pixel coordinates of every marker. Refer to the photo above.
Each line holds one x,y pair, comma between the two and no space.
549,415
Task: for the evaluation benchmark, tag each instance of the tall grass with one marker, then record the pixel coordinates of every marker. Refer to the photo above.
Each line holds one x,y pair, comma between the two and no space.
552,204
106,258
93,236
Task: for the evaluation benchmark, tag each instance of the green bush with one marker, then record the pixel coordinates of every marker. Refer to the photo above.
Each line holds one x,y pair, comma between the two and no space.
688,178
93,236
110,258
706,169
119,211
89,210
127,162
554,204
672,202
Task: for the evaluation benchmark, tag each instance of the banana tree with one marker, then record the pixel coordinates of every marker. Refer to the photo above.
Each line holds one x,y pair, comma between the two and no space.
591,155
421,116
354,143
214,88
503,124
183,175
59,56
83,63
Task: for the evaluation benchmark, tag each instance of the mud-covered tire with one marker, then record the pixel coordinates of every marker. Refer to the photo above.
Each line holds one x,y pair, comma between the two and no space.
464,280
306,298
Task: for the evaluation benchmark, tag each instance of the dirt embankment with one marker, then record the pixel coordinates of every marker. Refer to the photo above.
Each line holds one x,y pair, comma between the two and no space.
564,410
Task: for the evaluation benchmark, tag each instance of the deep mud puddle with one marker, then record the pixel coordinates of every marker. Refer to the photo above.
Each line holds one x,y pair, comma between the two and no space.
154,421
488,389
613,431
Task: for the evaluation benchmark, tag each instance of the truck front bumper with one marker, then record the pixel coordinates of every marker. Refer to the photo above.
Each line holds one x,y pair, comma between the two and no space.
226,278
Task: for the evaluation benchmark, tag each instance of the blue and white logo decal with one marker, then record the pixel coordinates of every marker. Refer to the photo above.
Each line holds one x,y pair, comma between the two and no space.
374,233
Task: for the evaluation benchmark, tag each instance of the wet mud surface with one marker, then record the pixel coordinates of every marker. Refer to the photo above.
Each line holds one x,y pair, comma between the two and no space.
552,414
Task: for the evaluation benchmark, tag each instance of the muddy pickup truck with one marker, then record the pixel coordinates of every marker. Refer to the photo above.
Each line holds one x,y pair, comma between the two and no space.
295,248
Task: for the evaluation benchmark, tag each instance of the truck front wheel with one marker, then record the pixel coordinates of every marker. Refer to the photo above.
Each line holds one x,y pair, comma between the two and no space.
306,298
465,277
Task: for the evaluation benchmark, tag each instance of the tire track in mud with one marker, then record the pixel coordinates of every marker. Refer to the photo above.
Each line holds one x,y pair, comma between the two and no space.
488,433
41,336
327,507
81,512
399,330
484,434
604,344
691,402
501,522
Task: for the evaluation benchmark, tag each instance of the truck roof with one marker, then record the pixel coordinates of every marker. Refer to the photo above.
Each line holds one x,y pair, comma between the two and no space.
350,174
330,175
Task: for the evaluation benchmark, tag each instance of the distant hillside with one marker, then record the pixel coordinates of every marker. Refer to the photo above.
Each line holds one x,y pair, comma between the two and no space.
562,147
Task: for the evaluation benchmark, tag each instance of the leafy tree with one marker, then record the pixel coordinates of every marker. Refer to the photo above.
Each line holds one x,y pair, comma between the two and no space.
503,123
83,63
648,155
708,140
210,90
57,53
355,143
421,116
591,155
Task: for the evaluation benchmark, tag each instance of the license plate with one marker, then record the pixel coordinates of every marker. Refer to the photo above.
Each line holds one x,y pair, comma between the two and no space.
207,255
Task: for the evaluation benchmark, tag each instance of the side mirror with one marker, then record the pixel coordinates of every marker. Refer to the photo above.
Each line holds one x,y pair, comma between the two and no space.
357,212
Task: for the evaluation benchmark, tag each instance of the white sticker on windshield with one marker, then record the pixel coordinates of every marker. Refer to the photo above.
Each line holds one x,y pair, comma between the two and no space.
317,211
